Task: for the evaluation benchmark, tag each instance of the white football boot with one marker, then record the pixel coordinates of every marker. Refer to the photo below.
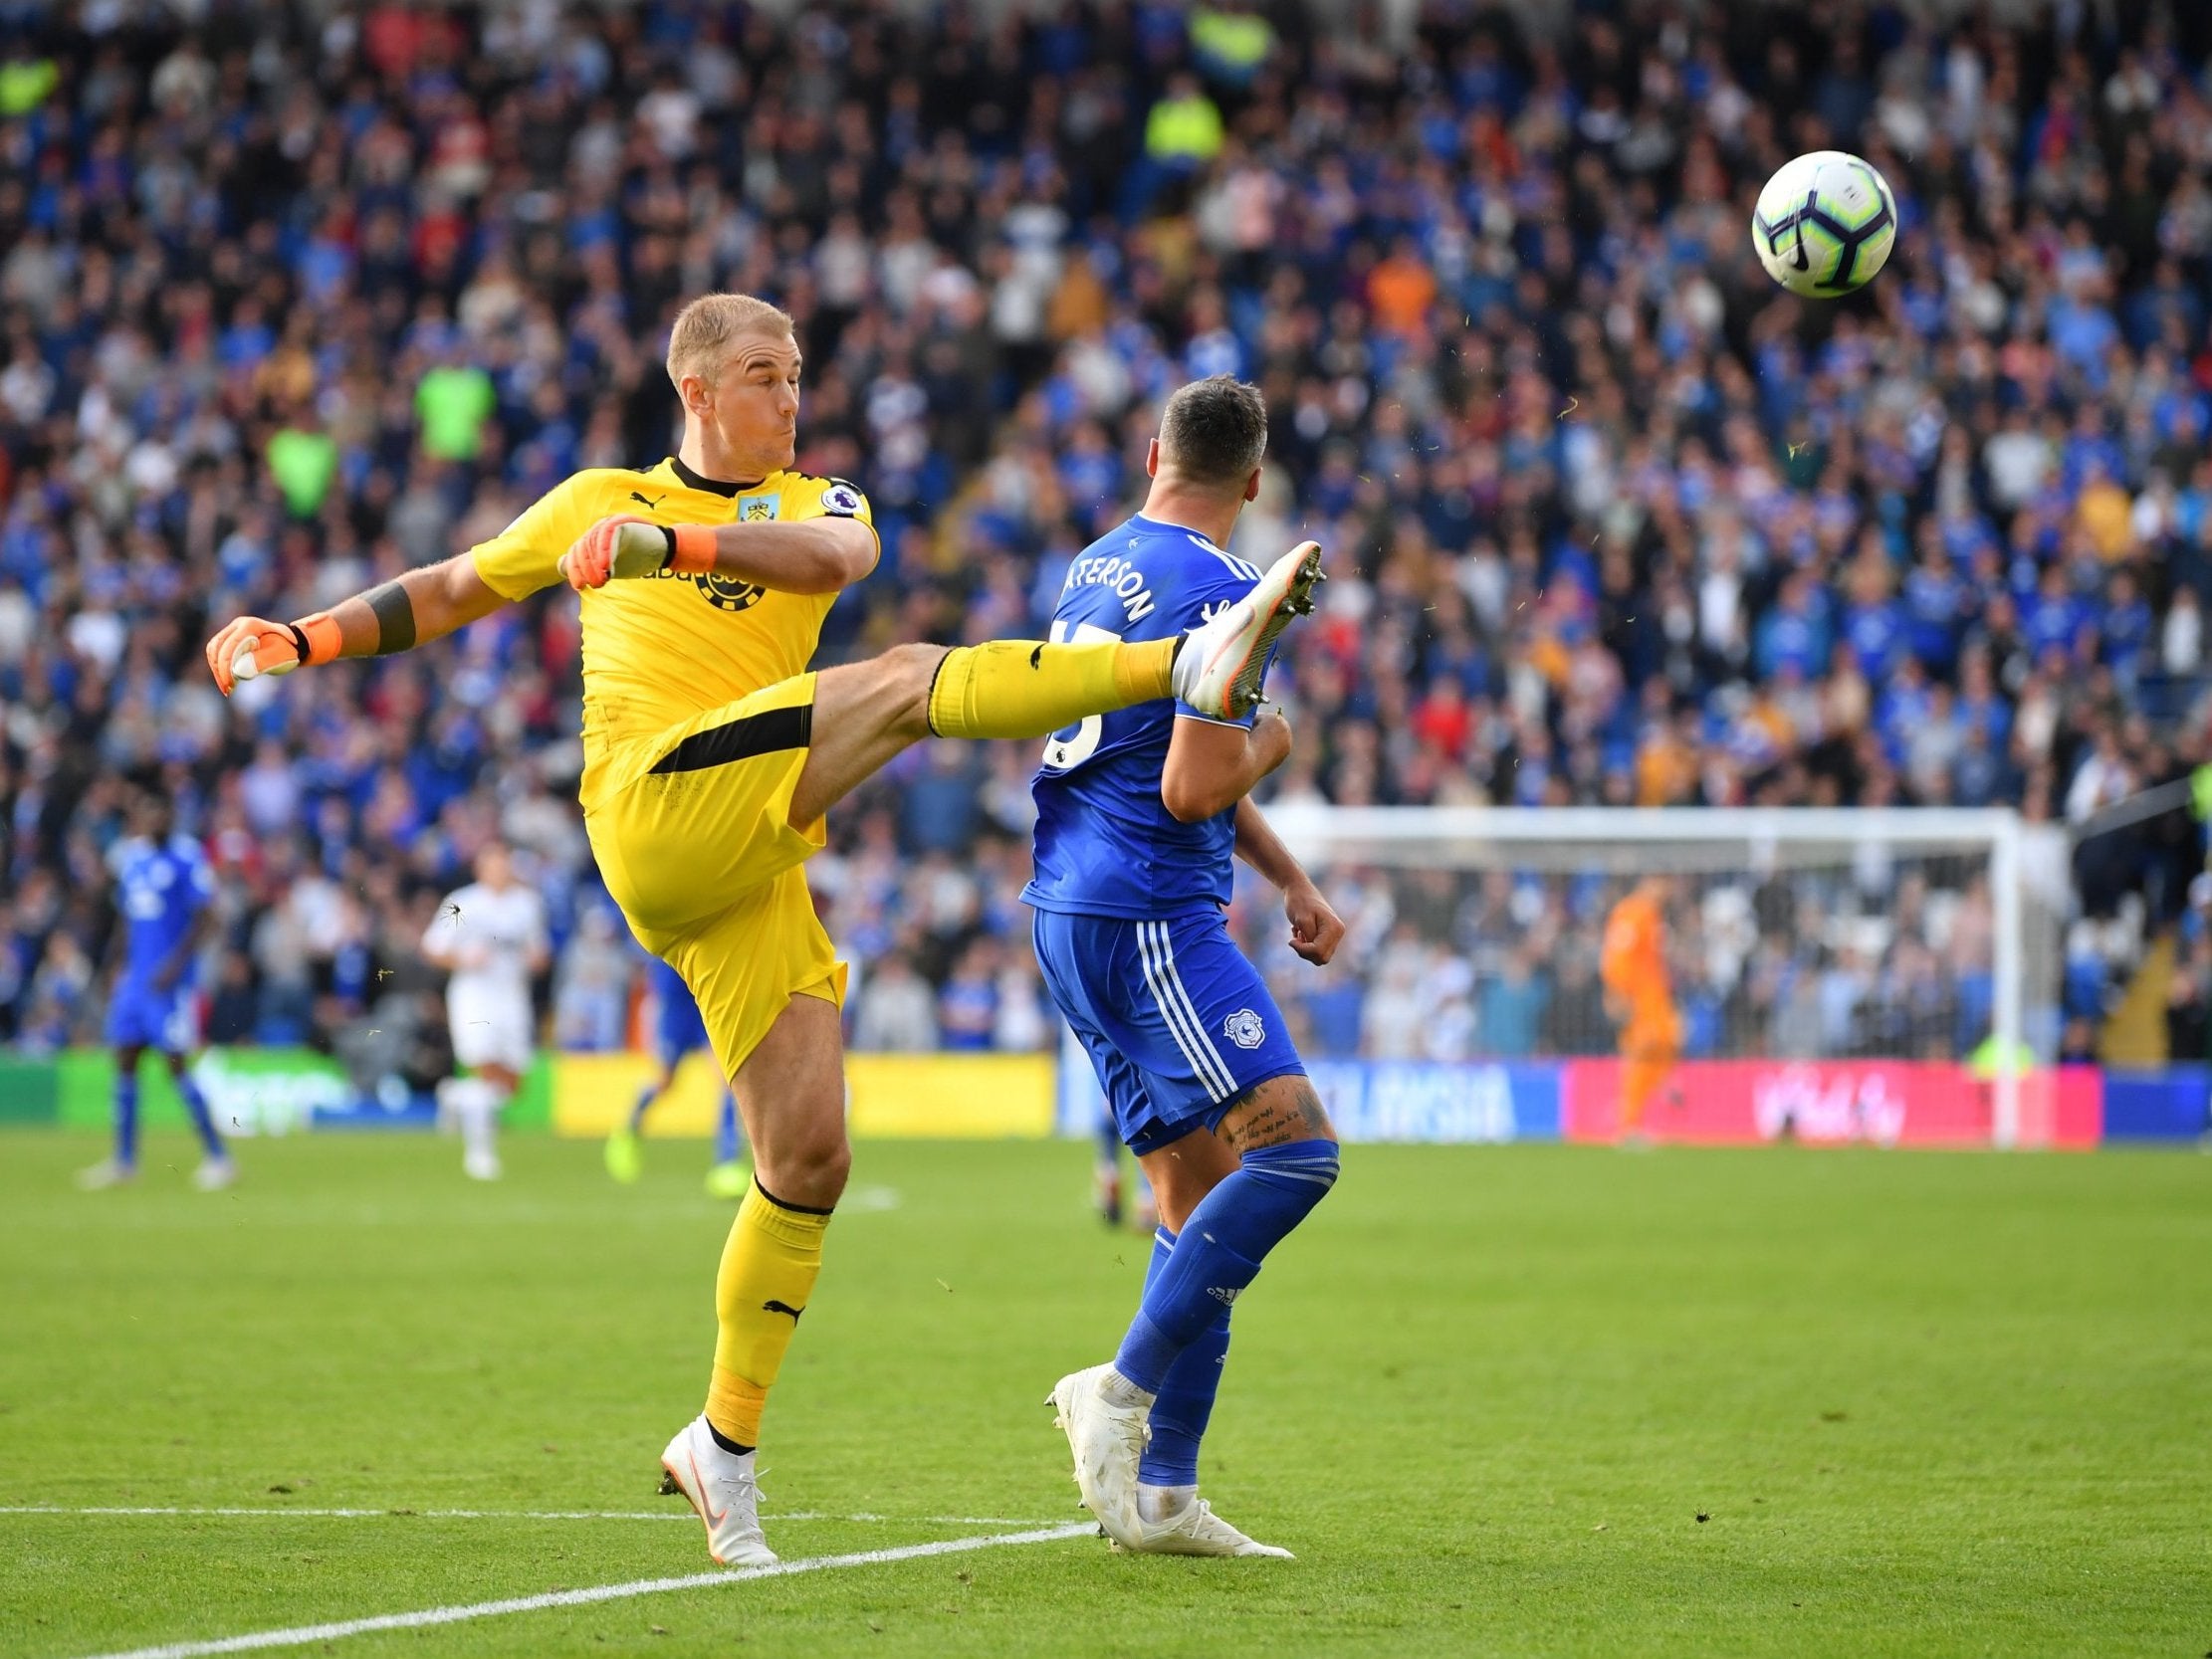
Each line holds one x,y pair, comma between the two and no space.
1108,1438
1195,1529
105,1175
721,1488
1219,670
214,1175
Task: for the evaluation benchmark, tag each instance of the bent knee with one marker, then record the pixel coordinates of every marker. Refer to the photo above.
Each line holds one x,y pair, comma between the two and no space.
1311,1165
811,1175
909,670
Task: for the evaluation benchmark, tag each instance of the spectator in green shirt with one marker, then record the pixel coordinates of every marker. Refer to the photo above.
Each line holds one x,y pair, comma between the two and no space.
24,84
452,402
1184,131
302,459
1231,42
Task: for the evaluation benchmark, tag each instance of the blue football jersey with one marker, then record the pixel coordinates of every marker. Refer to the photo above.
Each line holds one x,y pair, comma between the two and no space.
1105,842
161,890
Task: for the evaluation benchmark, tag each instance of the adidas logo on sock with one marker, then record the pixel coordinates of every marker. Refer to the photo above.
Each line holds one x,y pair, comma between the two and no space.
1226,1295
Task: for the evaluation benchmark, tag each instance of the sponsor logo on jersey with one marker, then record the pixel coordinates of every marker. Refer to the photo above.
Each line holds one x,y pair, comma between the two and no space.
1244,1028
840,500
754,510
727,593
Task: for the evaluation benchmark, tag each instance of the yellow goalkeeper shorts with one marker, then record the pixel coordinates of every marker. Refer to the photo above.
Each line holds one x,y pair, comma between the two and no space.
694,839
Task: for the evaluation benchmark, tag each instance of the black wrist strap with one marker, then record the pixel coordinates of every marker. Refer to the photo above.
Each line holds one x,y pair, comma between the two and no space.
668,536
298,639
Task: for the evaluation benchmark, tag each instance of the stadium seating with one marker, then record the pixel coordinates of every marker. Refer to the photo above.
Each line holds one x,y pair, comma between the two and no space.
289,301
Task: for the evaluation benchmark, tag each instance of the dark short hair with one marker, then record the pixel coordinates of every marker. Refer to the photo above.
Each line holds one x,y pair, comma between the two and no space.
1215,430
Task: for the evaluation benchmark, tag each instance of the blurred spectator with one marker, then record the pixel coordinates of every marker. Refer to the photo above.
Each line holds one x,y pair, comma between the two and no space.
898,1012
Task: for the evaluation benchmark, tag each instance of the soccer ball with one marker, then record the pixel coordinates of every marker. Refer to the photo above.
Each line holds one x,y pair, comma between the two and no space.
1825,224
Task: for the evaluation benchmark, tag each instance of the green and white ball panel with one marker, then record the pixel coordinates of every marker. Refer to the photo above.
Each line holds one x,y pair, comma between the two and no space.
1825,224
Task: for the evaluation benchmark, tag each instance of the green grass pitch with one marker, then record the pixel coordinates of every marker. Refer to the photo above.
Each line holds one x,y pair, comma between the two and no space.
1501,1400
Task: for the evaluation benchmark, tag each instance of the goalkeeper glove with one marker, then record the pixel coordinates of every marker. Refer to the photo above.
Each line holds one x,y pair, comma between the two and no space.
249,647
626,547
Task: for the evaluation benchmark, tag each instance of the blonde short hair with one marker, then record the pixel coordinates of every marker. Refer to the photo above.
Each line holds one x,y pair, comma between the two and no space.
704,328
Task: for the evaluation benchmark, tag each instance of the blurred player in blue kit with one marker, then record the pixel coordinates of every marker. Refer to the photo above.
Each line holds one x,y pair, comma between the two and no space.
164,894
679,1030
1139,814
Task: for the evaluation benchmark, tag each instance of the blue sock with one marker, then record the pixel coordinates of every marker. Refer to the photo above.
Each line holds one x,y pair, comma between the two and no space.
1219,1250
1185,1402
126,1120
645,1097
196,1104
728,1147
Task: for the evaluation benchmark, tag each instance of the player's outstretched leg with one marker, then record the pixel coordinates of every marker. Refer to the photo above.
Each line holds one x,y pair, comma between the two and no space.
1286,1163
866,713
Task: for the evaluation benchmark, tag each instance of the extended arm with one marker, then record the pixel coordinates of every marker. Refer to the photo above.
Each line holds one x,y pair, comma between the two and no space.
420,606
1315,929
809,555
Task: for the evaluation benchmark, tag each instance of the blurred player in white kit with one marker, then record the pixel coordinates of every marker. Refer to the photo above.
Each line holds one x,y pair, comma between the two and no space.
490,937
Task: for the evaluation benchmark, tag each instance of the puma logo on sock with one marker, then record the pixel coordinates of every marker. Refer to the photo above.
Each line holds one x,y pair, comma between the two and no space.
1036,656
782,1308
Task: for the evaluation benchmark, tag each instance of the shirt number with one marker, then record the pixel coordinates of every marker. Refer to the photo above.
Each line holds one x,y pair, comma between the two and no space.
1072,745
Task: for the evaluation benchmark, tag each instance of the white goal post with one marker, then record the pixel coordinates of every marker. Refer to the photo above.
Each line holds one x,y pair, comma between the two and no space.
1837,858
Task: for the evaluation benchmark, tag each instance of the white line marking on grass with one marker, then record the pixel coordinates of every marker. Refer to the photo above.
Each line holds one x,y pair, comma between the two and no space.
302,1634
402,1514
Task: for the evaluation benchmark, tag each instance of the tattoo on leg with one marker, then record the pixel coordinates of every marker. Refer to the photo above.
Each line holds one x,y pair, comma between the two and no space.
1251,1122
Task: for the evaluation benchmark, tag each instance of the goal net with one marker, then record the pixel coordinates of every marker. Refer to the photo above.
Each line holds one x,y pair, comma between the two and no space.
1881,975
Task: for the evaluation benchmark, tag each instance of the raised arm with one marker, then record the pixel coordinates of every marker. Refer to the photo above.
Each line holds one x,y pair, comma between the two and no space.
810,555
421,606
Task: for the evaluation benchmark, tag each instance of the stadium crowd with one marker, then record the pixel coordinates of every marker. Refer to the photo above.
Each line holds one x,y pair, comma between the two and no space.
294,298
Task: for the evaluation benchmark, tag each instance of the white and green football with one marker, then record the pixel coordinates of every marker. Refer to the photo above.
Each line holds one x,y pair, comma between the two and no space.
1825,224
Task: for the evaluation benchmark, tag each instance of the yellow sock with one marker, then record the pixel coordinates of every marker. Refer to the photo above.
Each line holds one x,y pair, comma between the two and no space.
1018,687
767,1272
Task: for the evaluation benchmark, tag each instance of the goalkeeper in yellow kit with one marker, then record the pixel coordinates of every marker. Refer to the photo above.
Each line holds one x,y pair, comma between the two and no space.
710,756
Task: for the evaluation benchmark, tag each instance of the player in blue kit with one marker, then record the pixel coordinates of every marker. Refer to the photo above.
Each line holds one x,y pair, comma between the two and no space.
679,1031
1139,813
164,893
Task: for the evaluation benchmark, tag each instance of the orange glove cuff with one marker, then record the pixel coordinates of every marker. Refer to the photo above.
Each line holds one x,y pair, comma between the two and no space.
695,550
324,637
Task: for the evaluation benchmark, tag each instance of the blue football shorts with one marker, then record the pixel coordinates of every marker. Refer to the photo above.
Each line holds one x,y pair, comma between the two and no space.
140,1015
1178,1026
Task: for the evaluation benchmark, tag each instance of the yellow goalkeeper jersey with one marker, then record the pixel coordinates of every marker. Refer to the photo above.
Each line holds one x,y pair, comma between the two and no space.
660,650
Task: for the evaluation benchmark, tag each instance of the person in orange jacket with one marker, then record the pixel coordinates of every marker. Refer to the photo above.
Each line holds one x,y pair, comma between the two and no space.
1633,964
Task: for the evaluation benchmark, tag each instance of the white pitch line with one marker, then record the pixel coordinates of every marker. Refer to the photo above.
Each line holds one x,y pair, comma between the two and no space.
684,1515
300,1635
